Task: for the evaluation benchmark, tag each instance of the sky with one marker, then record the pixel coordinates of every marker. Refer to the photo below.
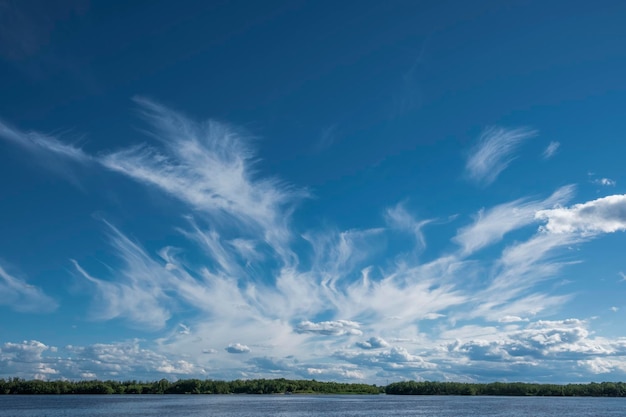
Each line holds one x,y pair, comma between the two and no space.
355,191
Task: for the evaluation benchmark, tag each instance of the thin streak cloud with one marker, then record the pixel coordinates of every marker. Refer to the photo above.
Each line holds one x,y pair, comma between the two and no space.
18,295
209,166
41,144
551,150
494,152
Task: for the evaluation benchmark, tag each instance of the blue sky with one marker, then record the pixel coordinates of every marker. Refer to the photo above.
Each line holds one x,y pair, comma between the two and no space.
359,191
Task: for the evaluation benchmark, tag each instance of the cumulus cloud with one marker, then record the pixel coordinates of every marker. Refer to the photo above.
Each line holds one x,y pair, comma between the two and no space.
396,358
237,348
604,215
23,297
603,365
330,328
374,342
547,341
34,359
26,351
334,372
109,360
551,150
494,152
26,360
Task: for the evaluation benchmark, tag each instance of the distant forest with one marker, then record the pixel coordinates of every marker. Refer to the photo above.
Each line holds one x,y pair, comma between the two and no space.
17,386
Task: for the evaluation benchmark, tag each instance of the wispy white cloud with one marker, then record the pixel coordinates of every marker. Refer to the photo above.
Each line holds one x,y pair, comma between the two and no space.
494,152
42,144
209,166
607,182
327,137
511,319
491,225
23,297
399,218
330,328
551,150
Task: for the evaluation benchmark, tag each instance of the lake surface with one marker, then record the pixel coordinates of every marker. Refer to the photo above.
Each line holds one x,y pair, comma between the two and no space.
306,406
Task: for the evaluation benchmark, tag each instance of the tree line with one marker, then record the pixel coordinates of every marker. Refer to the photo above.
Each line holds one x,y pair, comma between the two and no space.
17,386
603,389
184,386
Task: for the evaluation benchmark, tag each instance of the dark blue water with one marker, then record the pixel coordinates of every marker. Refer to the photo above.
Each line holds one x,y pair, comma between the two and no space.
305,406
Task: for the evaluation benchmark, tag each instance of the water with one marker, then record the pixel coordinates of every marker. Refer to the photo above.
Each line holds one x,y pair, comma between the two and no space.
306,406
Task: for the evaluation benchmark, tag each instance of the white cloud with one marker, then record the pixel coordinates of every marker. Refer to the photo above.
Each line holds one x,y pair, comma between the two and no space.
494,152
252,271
433,316
137,292
209,166
607,182
373,343
399,218
396,358
551,343
604,215
41,144
604,365
492,225
330,328
125,358
333,372
551,150
511,319
23,297
26,360
36,360
237,348
327,137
